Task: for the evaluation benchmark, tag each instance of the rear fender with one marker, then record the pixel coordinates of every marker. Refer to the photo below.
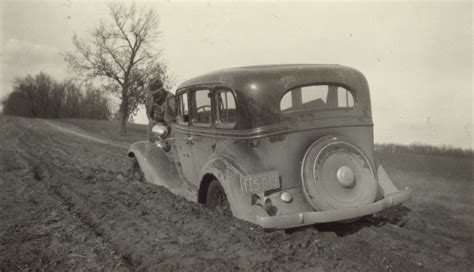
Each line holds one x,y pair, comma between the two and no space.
228,173
386,186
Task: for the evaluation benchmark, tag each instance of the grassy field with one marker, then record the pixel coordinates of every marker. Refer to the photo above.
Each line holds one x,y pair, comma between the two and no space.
440,165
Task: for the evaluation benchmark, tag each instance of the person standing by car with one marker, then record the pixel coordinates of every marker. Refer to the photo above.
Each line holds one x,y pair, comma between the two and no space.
159,106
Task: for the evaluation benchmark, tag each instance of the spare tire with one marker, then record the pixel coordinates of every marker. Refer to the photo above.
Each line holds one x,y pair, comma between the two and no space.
337,175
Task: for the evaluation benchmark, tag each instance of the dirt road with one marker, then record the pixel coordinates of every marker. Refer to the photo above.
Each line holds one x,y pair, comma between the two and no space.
68,203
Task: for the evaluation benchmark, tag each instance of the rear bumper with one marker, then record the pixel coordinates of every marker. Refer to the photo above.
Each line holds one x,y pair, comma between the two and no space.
309,218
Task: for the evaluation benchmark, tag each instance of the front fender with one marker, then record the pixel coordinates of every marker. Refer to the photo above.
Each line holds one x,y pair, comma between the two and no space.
228,173
159,168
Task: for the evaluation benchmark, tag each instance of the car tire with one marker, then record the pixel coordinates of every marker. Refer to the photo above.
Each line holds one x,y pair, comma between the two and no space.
136,172
216,198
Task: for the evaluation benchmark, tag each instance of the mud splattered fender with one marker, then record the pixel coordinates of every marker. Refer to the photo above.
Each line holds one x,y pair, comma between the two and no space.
228,172
159,168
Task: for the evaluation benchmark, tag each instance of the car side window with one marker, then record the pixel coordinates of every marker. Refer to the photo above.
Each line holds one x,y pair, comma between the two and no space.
202,113
345,98
183,109
226,109
316,97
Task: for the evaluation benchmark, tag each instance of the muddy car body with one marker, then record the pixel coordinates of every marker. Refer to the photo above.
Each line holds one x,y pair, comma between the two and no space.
287,145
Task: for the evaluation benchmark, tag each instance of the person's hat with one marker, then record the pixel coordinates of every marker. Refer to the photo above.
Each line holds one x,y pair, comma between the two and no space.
155,85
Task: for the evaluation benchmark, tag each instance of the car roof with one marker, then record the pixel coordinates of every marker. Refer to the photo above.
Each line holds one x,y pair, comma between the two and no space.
259,89
278,78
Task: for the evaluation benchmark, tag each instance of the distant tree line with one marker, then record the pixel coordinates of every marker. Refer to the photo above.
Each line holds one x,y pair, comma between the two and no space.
418,148
43,97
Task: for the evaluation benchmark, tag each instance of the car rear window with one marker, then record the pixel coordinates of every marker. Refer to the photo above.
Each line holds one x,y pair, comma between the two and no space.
316,97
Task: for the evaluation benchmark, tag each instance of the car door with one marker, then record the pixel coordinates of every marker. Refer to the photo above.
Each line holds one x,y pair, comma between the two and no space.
202,127
183,138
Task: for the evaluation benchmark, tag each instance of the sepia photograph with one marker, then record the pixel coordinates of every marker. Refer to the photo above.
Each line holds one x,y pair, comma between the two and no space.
214,135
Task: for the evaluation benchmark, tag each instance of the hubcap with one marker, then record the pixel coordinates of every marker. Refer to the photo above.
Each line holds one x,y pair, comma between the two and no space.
345,176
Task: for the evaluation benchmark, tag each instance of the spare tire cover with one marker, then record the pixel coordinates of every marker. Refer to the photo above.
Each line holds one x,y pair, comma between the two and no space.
337,175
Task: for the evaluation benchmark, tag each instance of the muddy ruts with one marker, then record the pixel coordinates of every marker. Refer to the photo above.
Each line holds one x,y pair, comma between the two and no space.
79,209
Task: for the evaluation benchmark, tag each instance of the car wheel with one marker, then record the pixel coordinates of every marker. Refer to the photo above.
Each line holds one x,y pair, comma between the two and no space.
217,199
136,172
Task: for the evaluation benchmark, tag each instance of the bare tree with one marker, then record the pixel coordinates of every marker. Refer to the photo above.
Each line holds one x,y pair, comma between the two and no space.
121,52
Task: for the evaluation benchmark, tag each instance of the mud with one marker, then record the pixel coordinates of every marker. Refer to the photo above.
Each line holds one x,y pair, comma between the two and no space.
69,202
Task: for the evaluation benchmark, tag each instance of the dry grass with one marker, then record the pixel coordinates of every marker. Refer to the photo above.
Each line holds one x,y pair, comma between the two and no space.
442,161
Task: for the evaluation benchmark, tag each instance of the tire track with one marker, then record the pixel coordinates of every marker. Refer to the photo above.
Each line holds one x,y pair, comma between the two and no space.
48,179
27,147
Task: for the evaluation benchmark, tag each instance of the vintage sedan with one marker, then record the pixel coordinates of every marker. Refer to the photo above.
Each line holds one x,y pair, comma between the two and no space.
281,146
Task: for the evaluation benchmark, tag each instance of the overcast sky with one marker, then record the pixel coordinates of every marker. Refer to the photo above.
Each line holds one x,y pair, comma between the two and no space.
417,56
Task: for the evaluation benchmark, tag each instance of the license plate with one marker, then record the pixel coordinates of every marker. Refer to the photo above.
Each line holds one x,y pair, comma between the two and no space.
259,183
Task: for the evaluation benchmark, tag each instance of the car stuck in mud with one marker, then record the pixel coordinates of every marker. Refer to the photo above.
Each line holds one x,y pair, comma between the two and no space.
280,146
